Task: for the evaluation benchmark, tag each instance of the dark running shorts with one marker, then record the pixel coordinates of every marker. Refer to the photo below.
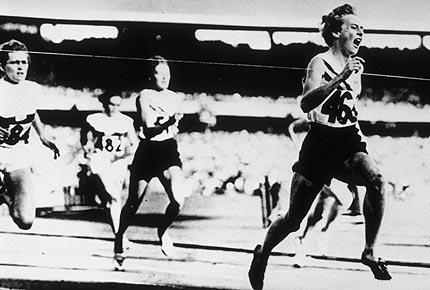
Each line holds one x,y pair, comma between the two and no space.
153,157
325,150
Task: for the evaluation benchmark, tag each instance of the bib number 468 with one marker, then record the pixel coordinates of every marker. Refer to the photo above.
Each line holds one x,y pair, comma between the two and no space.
336,110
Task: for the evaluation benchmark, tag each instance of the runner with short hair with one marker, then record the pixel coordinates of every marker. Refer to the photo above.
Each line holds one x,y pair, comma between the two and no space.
333,148
156,156
108,140
18,114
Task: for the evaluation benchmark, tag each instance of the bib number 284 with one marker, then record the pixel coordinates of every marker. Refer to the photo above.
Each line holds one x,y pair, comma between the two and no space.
15,135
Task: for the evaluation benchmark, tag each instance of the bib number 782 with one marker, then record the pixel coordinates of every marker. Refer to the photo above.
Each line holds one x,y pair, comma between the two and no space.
110,146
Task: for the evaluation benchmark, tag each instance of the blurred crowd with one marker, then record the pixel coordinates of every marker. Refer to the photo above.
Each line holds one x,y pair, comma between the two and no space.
62,98
218,162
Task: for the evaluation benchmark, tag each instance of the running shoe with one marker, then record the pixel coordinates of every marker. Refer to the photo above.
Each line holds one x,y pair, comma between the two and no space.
4,198
166,244
257,269
300,256
118,261
378,267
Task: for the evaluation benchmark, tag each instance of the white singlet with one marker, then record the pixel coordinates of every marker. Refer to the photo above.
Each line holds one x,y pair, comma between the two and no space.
110,132
159,106
111,145
339,108
18,104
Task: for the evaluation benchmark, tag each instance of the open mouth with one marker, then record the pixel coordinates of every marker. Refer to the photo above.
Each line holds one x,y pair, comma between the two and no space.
356,42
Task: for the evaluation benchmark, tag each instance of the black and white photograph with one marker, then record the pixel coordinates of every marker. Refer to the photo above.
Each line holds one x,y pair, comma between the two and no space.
214,144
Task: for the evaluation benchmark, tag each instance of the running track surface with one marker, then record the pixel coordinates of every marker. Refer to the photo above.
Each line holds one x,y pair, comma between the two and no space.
214,237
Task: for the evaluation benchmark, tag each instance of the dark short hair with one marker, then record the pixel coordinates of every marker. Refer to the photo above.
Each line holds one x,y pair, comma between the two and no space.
333,22
105,97
10,46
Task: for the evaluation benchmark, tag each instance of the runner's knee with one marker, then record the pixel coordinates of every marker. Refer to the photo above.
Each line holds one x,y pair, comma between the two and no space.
314,218
23,222
178,190
291,223
294,226
23,215
173,209
376,183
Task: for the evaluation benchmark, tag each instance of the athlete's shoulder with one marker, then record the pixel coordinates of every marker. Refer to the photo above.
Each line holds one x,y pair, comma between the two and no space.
32,84
3,85
26,84
35,88
95,118
325,55
317,61
145,93
321,55
146,96
170,92
315,68
124,118
174,97
35,91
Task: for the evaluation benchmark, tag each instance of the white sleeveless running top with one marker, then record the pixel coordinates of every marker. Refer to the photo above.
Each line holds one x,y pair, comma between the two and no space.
339,109
110,132
18,104
159,106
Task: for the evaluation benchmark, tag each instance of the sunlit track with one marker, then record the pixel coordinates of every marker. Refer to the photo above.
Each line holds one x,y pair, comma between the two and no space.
217,248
